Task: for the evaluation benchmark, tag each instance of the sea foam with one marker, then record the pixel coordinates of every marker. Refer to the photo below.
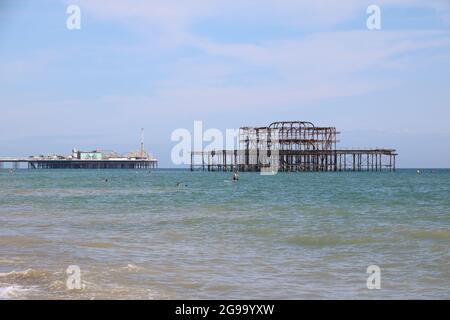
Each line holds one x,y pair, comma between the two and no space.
13,292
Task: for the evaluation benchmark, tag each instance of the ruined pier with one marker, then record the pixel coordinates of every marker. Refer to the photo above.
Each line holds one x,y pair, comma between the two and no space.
292,146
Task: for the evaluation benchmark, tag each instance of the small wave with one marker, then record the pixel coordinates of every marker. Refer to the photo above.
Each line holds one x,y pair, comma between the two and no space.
132,267
57,285
128,268
98,245
9,260
22,191
29,274
20,241
327,240
13,292
437,234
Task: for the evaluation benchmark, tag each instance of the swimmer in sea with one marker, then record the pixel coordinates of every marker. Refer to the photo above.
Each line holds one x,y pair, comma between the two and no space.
235,176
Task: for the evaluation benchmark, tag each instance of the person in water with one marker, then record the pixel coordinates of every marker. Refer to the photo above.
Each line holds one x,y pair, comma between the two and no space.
235,175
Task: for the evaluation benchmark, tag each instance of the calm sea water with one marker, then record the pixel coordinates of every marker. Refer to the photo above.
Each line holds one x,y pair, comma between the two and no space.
288,236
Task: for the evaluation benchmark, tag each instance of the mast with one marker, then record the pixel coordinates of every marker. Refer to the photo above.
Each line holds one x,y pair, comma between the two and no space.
142,143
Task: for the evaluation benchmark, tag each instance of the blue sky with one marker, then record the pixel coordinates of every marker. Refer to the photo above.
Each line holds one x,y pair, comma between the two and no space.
163,64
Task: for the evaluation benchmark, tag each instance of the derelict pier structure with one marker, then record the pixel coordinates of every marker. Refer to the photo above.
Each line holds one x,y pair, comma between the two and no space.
292,146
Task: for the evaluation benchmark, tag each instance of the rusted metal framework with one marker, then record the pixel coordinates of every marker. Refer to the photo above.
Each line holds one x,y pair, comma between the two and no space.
295,146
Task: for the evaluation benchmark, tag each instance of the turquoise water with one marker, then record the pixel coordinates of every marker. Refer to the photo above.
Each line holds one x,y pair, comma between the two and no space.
288,236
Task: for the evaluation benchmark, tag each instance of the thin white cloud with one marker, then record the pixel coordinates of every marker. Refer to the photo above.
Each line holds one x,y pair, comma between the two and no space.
321,66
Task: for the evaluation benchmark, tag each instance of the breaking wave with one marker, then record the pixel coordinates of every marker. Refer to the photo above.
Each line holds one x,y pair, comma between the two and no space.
28,274
13,292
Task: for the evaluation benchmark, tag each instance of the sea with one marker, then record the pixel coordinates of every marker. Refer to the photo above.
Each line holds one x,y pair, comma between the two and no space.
176,234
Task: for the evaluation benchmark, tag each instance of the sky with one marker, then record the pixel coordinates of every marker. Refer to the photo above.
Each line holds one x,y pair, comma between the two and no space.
161,65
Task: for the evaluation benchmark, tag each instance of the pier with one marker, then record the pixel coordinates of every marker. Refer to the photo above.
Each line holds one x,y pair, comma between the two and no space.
95,159
293,146
32,163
